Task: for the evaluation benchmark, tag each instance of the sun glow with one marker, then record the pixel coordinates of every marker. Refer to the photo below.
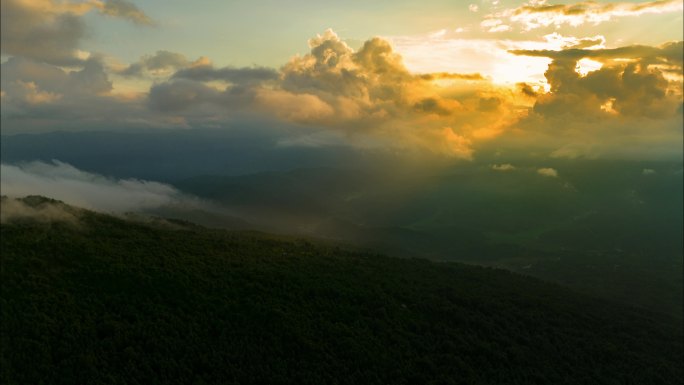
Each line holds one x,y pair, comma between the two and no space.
489,58
584,66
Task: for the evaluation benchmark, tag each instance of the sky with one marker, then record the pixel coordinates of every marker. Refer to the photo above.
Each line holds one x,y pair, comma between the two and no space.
445,79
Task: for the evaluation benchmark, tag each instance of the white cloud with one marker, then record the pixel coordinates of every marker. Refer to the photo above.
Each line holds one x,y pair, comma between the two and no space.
64,182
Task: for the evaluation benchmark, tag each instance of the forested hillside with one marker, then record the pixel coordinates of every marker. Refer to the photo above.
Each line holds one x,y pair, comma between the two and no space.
93,299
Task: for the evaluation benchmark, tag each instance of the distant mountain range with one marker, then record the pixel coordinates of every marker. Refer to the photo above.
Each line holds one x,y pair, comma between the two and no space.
607,227
603,228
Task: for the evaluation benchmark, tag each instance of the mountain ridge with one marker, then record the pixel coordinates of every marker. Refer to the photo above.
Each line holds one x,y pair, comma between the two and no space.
119,301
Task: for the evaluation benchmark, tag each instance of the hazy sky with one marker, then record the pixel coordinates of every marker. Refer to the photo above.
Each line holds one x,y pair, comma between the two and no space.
269,32
585,79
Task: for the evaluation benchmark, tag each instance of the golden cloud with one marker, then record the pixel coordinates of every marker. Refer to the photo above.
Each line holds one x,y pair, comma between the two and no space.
371,91
539,13
627,104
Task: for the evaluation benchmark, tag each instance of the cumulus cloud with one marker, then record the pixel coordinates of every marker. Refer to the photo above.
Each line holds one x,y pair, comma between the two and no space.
50,31
48,83
632,80
91,78
80,188
371,91
596,98
548,172
628,105
539,13
36,94
373,78
367,93
627,89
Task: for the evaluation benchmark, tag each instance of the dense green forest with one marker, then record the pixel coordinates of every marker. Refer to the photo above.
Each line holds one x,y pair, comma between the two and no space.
603,228
94,299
